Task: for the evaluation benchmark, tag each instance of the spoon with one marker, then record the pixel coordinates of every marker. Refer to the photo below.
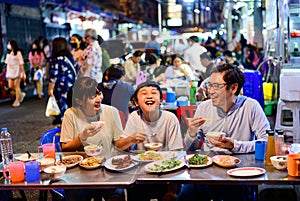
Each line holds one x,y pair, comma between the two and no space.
152,135
29,154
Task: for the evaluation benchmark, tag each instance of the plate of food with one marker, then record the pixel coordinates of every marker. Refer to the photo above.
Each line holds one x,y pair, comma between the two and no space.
70,161
226,161
197,160
164,166
149,156
119,163
25,158
246,172
92,162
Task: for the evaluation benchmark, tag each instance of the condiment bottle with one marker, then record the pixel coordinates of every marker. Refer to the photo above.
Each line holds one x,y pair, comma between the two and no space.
270,147
279,143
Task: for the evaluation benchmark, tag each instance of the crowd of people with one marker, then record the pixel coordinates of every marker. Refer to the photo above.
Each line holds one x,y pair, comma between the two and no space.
87,92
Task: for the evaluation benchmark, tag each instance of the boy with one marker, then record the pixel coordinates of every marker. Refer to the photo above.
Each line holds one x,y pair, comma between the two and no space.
150,119
160,126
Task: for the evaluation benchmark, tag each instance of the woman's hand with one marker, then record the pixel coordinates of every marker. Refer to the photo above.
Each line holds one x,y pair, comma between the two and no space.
89,131
194,124
138,137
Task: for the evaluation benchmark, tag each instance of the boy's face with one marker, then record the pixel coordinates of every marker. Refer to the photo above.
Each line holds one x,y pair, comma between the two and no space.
148,99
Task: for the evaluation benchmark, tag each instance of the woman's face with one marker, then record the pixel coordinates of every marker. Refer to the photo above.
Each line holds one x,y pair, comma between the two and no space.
34,46
177,62
93,104
74,40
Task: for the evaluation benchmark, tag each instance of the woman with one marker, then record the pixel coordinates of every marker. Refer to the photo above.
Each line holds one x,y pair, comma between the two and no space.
36,58
62,75
77,48
91,59
179,70
15,71
78,130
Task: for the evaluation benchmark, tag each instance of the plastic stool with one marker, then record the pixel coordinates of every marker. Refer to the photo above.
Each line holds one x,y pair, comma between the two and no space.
294,125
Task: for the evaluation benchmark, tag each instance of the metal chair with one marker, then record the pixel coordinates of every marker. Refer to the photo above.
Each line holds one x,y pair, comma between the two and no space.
47,137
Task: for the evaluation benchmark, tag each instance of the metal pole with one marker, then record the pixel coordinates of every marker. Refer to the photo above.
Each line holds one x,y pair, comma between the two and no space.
159,16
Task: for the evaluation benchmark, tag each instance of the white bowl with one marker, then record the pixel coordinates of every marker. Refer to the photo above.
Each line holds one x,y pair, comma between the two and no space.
55,172
98,123
153,146
215,136
93,150
279,162
45,162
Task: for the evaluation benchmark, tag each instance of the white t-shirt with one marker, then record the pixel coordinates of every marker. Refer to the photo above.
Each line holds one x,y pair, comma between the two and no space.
75,121
167,130
13,65
192,55
173,72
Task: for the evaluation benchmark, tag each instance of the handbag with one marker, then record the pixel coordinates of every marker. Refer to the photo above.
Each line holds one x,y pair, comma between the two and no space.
38,74
52,108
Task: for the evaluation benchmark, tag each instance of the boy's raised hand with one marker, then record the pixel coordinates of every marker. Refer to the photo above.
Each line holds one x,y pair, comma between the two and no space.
138,137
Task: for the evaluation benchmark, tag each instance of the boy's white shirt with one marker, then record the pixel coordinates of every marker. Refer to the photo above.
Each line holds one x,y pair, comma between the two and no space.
167,130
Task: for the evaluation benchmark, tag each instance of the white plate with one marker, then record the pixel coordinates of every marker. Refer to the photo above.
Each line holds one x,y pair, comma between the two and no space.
24,157
109,166
148,167
246,172
226,161
164,155
70,157
100,159
208,163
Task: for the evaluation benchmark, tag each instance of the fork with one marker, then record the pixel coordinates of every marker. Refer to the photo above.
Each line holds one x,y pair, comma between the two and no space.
186,162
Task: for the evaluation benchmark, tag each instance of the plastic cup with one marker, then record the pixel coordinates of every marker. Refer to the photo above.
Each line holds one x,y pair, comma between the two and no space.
48,150
293,165
16,171
260,150
32,171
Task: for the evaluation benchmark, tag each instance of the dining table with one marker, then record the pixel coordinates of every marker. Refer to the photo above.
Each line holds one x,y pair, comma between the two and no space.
104,178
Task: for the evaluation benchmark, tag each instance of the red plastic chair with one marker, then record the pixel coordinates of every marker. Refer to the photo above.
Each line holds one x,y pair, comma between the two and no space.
122,117
184,112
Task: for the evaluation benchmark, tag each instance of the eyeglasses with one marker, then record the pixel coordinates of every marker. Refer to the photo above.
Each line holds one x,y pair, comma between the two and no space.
215,86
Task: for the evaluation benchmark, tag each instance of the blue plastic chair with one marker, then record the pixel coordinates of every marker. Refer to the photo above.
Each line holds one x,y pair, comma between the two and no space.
47,137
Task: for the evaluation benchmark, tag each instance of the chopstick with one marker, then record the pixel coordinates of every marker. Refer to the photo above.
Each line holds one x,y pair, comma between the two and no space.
204,118
210,119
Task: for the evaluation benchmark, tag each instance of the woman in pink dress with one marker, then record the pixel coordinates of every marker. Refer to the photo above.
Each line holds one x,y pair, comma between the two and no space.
36,58
15,71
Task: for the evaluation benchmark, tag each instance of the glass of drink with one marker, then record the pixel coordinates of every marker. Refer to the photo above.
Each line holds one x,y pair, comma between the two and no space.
48,150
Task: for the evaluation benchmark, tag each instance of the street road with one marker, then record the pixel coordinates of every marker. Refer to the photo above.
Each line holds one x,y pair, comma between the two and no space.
25,123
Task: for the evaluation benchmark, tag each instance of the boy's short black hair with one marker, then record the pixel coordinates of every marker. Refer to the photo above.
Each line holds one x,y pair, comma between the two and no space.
138,53
146,84
194,39
115,72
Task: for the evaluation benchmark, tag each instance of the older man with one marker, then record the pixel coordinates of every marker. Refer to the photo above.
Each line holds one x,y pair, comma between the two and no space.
132,67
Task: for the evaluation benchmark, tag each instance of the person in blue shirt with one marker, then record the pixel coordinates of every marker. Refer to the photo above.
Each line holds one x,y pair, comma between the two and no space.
116,92
152,47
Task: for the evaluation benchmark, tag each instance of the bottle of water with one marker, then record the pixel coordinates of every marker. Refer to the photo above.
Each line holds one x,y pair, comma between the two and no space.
6,147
